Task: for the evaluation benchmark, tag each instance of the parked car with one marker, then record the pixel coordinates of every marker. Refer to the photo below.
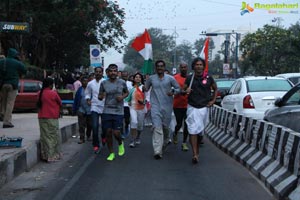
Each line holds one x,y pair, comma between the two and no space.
27,97
293,77
252,96
67,99
287,110
224,85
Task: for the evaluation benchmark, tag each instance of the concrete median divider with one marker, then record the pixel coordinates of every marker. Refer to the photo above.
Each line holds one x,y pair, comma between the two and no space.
271,152
19,160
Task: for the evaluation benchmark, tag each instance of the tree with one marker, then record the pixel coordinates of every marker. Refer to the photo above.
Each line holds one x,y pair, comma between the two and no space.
62,30
184,52
268,51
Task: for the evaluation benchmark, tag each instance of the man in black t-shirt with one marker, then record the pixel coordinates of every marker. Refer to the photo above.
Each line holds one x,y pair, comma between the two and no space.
198,86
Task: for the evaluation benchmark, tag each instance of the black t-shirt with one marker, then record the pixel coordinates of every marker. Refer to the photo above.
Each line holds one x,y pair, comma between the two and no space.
201,90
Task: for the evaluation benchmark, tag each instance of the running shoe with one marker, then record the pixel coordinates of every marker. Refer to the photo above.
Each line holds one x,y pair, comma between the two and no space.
157,156
132,144
121,149
96,150
175,139
137,141
184,147
103,141
111,157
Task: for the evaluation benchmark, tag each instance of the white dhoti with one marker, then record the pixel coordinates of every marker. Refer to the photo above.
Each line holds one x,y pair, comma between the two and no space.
197,119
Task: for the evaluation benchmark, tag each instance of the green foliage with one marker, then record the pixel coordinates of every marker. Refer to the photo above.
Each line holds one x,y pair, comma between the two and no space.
270,51
61,30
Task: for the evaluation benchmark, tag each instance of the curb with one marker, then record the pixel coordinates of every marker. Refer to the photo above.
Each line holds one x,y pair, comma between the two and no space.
269,151
24,158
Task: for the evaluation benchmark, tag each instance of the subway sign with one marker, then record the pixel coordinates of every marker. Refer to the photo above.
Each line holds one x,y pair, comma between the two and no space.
14,27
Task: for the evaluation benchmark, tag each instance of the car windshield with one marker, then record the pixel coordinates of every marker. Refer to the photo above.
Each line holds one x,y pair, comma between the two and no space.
225,84
295,98
263,85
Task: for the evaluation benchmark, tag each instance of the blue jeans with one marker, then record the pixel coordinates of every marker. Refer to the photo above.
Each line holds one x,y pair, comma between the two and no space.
95,127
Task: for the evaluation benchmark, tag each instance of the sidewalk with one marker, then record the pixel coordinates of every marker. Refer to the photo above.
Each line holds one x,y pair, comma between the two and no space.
14,161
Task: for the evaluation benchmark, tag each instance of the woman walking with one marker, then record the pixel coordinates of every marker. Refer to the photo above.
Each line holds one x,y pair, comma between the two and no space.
136,101
49,104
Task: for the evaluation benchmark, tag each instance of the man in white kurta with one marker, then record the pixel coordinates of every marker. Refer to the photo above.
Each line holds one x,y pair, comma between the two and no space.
163,87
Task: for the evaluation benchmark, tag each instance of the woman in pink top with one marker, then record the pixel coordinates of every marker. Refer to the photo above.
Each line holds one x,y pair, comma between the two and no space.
49,104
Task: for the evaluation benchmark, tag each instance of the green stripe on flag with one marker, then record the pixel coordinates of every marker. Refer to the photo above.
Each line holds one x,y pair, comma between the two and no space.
147,68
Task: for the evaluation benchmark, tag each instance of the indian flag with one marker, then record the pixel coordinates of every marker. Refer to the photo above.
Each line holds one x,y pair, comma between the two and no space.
204,55
143,45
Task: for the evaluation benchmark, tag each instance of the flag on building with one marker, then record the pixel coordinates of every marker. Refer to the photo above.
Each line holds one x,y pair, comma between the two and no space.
204,54
143,45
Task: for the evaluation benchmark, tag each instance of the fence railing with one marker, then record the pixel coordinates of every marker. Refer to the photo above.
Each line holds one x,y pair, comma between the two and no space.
269,151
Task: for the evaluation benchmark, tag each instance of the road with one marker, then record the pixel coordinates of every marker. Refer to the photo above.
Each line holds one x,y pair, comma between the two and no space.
137,175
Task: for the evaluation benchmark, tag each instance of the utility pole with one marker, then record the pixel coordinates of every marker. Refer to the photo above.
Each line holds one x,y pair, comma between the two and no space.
227,44
175,36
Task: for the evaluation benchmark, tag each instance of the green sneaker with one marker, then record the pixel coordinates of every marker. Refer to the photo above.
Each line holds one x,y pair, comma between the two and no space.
175,139
111,157
184,147
121,149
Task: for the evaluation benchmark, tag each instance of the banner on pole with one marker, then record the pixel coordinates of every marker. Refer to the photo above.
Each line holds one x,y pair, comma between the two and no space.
95,58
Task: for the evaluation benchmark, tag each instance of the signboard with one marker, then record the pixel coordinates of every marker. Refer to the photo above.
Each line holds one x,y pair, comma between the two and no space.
174,70
95,58
226,68
14,27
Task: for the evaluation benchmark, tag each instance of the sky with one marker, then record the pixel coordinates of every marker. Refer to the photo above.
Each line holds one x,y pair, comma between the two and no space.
191,17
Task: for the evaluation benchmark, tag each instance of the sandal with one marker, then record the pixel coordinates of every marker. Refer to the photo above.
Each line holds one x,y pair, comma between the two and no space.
195,160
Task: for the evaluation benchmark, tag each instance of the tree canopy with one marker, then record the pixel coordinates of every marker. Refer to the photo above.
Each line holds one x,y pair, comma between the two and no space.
271,50
61,30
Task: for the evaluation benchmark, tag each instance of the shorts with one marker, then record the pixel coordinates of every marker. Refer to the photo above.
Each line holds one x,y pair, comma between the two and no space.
112,121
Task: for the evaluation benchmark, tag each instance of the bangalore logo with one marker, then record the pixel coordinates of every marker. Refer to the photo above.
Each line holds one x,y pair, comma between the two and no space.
246,8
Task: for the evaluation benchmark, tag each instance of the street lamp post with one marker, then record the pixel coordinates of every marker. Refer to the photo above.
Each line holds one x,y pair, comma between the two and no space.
175,35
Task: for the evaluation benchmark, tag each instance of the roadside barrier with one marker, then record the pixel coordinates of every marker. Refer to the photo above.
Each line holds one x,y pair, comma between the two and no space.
271,152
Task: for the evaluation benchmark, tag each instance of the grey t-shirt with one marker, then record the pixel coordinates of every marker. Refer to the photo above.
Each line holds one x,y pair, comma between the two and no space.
112,90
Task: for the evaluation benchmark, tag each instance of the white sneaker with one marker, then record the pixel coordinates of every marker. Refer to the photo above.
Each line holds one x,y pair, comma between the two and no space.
132,144
138,141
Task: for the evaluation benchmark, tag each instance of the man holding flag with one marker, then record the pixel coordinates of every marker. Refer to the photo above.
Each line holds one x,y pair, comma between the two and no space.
142,44
199,86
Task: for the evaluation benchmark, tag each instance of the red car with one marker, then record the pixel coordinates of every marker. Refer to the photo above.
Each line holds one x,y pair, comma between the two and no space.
27,94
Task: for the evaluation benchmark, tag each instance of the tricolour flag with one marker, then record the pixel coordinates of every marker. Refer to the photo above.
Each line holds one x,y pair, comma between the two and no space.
143,45
204,55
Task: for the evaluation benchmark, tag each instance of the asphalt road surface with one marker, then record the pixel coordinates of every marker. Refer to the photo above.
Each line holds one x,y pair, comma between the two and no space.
137,175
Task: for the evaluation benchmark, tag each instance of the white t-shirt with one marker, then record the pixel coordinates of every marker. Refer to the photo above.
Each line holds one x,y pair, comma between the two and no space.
92,92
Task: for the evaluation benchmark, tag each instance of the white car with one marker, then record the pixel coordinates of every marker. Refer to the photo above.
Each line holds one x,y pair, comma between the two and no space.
252,96
293,77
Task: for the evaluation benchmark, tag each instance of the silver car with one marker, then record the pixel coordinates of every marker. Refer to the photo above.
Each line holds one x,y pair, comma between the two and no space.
287,110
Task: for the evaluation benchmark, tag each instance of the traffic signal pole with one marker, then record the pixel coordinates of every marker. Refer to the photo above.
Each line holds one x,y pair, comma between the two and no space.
227,45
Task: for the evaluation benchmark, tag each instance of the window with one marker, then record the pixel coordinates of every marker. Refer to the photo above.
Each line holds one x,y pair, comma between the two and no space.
263,85
294,99
31,87
238,87
231,91
295,80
